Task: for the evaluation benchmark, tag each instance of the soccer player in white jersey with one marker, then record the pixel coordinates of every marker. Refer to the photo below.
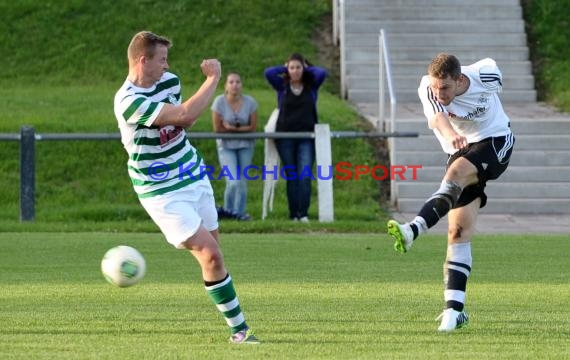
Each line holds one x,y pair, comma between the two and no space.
462,106
165,169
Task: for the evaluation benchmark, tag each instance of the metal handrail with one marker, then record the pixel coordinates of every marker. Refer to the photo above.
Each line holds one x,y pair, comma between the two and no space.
384,68
212,135
28,137
343,92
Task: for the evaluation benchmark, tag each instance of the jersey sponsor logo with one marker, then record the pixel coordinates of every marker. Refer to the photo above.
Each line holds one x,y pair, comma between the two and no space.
478,111
169,134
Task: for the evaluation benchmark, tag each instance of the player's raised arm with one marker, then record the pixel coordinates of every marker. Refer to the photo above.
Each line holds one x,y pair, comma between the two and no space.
185,115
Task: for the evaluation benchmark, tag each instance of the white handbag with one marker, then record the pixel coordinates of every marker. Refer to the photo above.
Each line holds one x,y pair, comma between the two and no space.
271,161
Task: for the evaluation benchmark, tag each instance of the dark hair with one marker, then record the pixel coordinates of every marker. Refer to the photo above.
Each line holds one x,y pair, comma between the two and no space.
307,79
232,72
444,65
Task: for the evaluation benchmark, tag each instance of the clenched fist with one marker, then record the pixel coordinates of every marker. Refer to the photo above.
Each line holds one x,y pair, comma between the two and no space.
211,67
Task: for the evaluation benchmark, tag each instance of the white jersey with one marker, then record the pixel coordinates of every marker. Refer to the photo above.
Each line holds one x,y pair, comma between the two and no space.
161,159
476,114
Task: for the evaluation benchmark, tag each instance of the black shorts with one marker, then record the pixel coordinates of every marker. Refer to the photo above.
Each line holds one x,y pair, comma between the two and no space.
491,157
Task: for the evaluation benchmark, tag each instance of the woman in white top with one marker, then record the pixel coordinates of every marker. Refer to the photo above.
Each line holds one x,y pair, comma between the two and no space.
234,112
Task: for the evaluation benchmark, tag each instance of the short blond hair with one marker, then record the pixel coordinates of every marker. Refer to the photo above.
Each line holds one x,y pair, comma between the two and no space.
444,65
144,44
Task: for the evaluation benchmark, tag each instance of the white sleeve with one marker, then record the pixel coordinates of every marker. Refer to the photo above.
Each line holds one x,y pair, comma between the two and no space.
490,75
429,103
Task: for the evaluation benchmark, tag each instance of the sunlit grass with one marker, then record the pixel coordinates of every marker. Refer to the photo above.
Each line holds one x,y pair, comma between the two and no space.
307,296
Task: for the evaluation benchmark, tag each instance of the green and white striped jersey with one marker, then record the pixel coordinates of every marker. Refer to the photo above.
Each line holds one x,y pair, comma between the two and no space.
161,159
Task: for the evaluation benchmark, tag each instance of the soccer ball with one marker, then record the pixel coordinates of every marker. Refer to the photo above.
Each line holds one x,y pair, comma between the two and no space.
123,266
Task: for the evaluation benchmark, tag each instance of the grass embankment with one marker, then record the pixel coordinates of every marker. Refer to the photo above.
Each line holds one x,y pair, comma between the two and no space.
64,76
548,30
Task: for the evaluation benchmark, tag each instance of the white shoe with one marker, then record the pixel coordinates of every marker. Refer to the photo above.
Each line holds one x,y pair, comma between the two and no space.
452,319
403,235
304,219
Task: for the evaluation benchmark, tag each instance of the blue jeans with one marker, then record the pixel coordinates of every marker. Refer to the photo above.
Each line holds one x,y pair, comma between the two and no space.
297,155
233,161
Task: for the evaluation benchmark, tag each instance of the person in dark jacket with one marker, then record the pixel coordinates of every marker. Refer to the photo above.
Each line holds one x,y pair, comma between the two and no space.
297,84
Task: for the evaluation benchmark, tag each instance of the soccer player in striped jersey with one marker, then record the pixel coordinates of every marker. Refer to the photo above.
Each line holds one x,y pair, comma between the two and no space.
166,170
462,106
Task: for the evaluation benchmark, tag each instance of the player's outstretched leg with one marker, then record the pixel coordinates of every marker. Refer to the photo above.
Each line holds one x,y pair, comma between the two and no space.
402,234
437,206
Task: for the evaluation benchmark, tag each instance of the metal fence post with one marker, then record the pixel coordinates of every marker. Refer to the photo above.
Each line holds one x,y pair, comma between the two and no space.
342,25
27,173
324,169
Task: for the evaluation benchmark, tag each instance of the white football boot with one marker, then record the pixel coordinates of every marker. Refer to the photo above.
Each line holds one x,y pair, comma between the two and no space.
452,319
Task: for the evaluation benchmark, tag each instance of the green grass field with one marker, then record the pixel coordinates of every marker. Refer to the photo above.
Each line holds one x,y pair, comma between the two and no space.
309,296
309,291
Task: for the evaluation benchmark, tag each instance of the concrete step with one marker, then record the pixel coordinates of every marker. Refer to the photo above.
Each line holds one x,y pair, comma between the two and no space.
536,181
496,190
419,68
369,3
522,142
364,59
519,126
411,95
527,174
436,40
503,206
433,12
459,26
465,54
519,158
515,82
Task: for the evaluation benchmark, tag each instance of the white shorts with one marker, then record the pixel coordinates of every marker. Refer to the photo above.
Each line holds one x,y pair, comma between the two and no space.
180,213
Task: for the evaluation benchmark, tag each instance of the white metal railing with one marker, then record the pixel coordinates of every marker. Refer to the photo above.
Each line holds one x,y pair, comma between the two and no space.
27,138
385,78
341,28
